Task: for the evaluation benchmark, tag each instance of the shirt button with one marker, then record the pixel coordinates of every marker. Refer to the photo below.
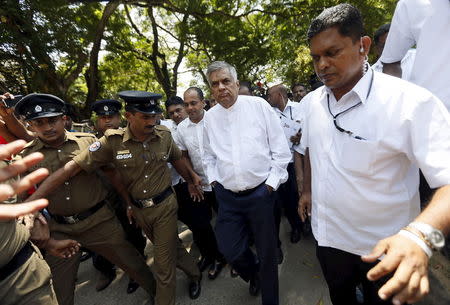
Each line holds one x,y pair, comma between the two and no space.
59,150
67,198
146,176
145,191
66,183
124,165
146,162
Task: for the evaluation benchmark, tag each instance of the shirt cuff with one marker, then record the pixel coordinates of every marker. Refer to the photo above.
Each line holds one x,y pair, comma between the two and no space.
273,181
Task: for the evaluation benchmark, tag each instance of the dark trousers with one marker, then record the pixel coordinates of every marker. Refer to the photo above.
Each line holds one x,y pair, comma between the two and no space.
132,232
287,199
343,271
197,216
238,217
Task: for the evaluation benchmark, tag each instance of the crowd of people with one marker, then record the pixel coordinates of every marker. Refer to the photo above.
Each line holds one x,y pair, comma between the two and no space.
344,157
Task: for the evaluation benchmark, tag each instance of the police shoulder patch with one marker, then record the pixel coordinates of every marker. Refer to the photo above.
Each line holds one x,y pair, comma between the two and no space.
95,146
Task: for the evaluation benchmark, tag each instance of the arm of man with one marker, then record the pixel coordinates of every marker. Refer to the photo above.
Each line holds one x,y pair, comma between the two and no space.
209,157
184,168
279,148
400,39
116,180
430,150
304,204
14,126
410,263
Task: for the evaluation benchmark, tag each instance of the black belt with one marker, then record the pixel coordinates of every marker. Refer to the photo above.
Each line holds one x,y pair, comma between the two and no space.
249,191
69,220
146,203
18,260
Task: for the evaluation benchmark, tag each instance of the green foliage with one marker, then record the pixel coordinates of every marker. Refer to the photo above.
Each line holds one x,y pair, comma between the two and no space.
45,44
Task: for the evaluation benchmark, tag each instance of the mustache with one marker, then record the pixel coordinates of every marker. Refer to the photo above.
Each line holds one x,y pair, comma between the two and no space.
150,126
49,133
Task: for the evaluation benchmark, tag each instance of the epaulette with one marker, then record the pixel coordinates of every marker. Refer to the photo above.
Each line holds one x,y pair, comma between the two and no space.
82,134
162,128
112,132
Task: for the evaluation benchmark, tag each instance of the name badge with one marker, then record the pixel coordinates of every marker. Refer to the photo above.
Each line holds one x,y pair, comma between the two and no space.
124,156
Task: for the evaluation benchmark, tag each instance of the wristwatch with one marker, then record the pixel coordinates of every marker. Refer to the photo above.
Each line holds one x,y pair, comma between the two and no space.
433,236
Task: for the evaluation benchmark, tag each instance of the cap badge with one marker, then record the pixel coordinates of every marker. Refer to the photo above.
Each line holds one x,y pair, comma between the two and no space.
152,102
38,108
106,108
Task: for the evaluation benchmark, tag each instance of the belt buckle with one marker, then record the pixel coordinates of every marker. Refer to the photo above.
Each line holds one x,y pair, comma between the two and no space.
71,219
148,203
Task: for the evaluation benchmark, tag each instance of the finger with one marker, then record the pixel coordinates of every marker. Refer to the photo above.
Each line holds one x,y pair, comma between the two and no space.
389,263
409,291
301,214
424,289
20,166
29,180
377,251
11,148
11,211
41,218
399,281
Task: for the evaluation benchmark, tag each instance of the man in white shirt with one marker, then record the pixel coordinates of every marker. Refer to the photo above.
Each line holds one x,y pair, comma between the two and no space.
189,138
407,62
424,23
246,162
299,91
367,134
288,196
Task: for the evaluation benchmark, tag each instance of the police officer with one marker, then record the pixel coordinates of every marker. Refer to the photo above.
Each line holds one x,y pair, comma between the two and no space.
78,207
140,153
108,117
25,277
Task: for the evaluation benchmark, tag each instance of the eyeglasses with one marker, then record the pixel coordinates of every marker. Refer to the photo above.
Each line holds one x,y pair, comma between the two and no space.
350,133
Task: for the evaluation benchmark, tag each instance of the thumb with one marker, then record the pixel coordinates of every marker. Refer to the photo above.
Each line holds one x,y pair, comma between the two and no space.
377,251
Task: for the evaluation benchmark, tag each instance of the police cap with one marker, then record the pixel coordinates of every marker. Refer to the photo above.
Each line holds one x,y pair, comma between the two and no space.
39,105
142,101
106,107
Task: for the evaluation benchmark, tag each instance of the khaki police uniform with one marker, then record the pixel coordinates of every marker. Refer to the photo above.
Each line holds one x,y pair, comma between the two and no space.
24,278
30,283
143,167
100,232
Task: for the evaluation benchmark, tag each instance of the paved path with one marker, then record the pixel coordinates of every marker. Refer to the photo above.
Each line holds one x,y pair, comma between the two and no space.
301,282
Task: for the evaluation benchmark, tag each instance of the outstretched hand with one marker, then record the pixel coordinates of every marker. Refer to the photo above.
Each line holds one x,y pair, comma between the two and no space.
409,263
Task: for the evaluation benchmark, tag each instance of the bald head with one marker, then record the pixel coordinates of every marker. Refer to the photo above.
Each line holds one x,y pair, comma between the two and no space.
277,96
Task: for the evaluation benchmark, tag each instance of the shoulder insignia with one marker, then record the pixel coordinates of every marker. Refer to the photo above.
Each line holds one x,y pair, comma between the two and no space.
112,132
82,134
95,146
162,128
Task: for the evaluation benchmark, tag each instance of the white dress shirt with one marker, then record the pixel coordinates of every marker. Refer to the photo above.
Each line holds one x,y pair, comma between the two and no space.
290,112
243,146
406,63
425,23
189,137
364,190
176,178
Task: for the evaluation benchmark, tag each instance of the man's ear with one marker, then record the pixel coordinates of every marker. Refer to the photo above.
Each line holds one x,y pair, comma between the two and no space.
365,45
238,84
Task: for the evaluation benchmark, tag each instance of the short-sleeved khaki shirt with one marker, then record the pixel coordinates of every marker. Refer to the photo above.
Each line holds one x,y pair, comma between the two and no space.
80,192
142,165
13,237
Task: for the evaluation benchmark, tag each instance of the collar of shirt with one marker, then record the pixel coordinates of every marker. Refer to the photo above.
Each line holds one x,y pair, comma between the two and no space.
128,135
361,90
41,144
190,123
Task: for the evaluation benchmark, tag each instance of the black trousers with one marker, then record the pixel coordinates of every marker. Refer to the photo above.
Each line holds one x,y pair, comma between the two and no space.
132,231
343,271
287,199
238,217
197,216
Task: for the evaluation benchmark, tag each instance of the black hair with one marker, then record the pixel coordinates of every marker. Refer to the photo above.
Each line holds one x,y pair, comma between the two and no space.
199,92
174,100
380,32
345,17
298,84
